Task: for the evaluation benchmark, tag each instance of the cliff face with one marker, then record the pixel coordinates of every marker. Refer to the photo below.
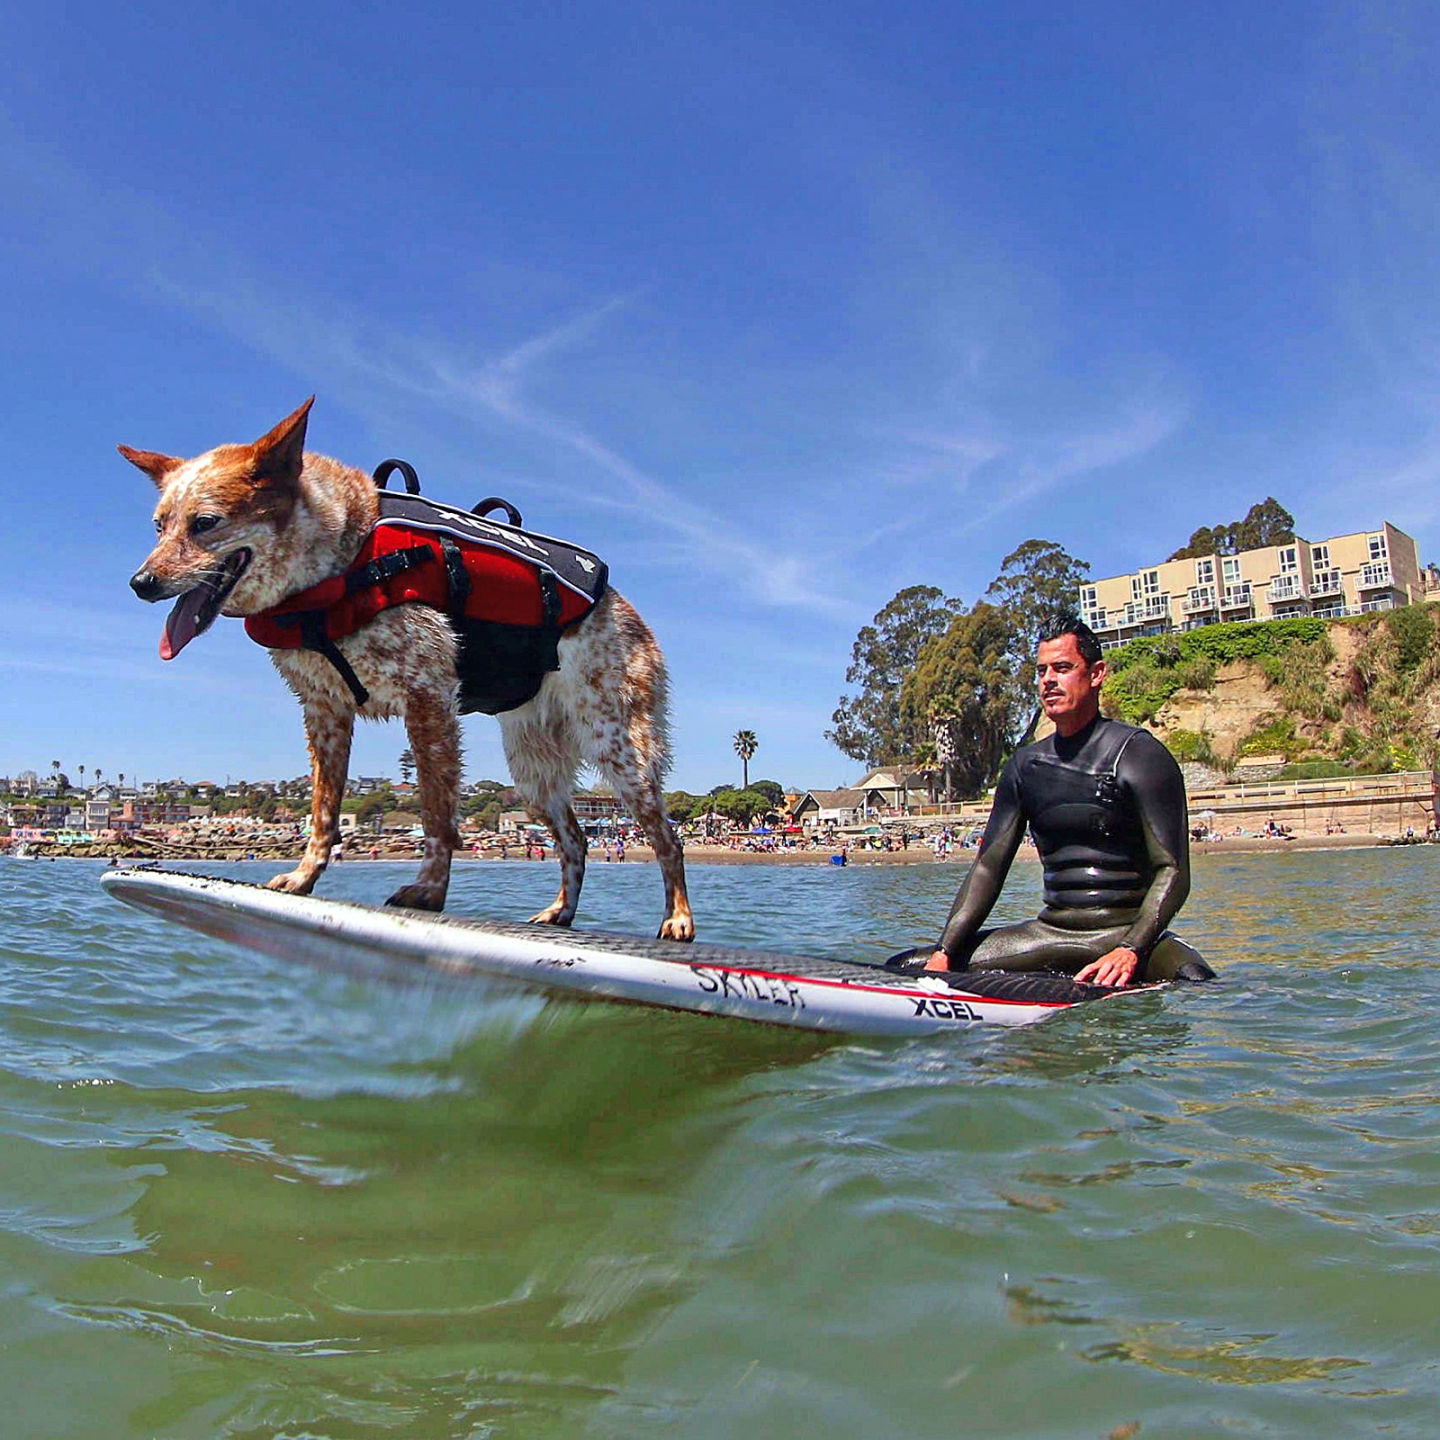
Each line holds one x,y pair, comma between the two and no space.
1365,692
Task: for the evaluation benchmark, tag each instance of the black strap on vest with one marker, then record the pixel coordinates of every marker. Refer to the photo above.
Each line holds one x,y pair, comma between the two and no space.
550,597
457,574
384,567
313,636
313,633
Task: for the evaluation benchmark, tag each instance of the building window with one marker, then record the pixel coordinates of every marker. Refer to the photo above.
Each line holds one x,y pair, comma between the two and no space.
1289,560
1320,557
1089,598
1205,571
1150,582
1377,546
1230,568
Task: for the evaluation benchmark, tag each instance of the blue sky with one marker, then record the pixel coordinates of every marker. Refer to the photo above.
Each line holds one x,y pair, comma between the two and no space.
778,308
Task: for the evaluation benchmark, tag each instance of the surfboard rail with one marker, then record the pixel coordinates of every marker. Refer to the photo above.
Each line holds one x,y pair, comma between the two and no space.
802,992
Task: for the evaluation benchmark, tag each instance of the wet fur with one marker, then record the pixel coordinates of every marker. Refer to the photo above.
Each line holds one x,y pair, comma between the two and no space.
304,518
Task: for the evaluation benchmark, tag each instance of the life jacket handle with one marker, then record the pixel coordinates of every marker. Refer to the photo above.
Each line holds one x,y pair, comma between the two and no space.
386,468
494,502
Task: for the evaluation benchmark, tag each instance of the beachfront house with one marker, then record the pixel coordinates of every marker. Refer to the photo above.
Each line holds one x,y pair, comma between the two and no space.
596,811
824,809
894,787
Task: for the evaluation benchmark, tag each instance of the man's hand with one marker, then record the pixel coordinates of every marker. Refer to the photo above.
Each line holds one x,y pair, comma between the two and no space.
1116,968
938,961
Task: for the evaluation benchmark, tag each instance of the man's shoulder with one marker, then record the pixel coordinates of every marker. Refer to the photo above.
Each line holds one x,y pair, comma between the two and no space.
1125,734
1137,743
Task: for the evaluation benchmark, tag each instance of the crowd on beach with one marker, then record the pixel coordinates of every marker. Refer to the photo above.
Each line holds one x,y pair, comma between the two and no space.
246,837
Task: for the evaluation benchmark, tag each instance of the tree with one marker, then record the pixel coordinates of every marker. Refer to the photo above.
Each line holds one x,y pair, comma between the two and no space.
773,790
407,765
868,724
1039,582
745,747
1265,523
964,694
681,805
741,806
944,741
372,807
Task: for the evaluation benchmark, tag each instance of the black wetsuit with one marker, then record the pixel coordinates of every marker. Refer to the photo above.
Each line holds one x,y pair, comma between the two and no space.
1107,810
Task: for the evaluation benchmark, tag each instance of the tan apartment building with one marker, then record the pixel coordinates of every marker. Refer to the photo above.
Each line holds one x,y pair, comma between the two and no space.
1345,575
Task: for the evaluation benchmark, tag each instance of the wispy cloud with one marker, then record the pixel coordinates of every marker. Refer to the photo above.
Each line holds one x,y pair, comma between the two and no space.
705,539
1403,487
1005,471
365,363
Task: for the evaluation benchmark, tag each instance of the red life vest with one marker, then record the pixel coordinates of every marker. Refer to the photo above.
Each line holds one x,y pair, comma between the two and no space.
509,595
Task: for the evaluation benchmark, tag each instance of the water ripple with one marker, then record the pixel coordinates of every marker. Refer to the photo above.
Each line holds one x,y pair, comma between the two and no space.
249,1199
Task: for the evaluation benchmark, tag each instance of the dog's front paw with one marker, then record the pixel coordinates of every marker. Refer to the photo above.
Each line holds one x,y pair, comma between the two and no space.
678,927
294,882
422,895
553,915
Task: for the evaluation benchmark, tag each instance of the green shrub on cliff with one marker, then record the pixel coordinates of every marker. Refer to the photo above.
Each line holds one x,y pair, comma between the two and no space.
1412,627
1315,770
1136,692
1147,672
1196,673
1191,745
1275,737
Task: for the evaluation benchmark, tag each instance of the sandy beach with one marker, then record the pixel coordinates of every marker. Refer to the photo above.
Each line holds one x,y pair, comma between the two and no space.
695,853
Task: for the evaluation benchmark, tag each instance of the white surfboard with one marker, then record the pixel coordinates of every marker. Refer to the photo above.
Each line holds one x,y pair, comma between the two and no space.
799,991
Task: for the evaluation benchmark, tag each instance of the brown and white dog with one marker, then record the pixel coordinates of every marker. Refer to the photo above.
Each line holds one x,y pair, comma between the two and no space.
242,527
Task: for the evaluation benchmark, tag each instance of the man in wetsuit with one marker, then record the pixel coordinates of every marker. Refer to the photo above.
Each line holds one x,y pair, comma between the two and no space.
1105,803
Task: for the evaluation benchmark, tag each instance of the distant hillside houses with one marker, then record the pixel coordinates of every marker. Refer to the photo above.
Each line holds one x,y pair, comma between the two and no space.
1354,574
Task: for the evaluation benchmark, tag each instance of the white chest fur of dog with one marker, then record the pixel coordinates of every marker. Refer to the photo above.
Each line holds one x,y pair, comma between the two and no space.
242,527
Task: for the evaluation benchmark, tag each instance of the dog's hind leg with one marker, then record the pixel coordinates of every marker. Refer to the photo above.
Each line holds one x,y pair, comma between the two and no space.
629,742
558,815
434,731
638,788
543,764
329,728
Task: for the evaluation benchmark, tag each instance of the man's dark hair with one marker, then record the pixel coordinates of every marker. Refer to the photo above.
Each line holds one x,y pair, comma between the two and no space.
1085,641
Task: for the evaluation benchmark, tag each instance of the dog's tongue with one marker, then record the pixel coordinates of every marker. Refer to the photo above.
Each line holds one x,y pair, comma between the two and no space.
183,623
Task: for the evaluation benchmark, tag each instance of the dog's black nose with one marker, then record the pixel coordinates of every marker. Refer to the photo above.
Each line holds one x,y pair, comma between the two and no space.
145,585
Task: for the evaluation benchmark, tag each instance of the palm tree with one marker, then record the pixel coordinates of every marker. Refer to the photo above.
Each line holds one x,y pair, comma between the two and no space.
942,735
81,769
745,747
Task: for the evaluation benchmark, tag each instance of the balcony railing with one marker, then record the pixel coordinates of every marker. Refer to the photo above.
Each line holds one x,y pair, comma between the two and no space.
1325,582
1200,599
1142,612
1237,597
1287,587
1375,576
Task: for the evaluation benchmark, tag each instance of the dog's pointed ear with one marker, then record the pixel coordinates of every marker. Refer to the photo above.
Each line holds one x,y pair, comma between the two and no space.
280,454
157,467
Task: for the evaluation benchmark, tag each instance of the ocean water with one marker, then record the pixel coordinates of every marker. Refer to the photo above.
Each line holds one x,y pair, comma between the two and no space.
245,1199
